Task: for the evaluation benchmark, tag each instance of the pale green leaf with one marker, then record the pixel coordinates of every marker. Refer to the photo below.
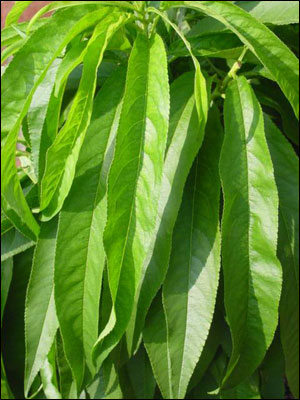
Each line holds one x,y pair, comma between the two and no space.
62,155
106,385
13,242
48,376
40,316
184,140
16,11
79,265
134,181
38,111
272,12
17,90
155,340
252,272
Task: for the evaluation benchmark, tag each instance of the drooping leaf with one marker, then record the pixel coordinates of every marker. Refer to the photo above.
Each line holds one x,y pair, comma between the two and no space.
134,181
6,276
155,340
56,5
223,45
63,153
286,169
184,140
12,333
48,376
272,372
16,11
272,12
252,272
273,54
16,97
106,385
79,266
141,375
66,386
13,242
190,287
40,316
37,113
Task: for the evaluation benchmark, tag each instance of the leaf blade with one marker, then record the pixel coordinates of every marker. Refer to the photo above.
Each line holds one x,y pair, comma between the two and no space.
250,220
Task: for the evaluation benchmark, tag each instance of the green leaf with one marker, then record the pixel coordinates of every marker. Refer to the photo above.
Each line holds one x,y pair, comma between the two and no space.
16,11
273,54
50,128
184,140
134,181
155,340
11,50
62,155
5,389
70,61
79,266
249,389
6,275
56,5
209,351
40,316
66,385
223,45
272,372
13,242
141,375
190,287
106,385
11,34
272,12
18,95
37,113
12,333
286,168
48,376
250,222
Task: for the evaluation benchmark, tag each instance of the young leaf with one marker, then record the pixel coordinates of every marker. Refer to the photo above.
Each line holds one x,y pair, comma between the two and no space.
79,266
134,181
190,287
286,169
282,64
252,272
63,153
40,316
184,140
16,11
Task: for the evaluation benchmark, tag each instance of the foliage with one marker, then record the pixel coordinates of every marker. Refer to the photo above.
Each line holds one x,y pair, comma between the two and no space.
149,214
